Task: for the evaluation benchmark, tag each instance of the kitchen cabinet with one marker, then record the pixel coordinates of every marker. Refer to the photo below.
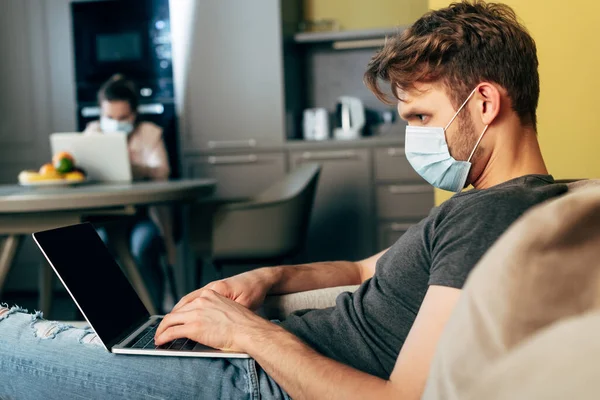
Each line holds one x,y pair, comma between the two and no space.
238,175
400,201
341,224
402,197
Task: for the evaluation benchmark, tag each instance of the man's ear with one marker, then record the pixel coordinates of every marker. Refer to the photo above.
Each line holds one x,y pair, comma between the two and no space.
488,101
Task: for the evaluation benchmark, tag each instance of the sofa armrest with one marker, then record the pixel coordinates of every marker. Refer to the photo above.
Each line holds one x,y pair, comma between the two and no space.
279,307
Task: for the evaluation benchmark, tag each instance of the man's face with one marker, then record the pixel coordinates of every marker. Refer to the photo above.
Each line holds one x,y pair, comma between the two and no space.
119,110
429,105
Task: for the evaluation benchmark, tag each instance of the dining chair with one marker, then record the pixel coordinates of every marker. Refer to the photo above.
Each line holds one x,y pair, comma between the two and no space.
264,230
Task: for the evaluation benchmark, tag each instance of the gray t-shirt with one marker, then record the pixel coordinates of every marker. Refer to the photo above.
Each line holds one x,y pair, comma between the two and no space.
367,329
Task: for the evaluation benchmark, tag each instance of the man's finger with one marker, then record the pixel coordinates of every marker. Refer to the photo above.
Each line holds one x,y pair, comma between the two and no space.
186,299
173,319
198,303
174,332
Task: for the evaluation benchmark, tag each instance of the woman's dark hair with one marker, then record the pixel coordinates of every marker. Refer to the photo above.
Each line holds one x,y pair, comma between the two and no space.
119,88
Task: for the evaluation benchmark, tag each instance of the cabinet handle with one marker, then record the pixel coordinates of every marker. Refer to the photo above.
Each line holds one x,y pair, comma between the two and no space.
232,144
409,189
329,155
222,160
358,44
396,152
396,227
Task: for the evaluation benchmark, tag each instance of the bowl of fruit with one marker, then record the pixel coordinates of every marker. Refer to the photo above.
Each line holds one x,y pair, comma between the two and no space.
62,171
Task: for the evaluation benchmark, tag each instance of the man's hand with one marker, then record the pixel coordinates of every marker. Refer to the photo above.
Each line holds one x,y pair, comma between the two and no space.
248,289
213,320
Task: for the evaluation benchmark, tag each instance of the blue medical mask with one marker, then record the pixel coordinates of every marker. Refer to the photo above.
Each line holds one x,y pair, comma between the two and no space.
427,151
109,125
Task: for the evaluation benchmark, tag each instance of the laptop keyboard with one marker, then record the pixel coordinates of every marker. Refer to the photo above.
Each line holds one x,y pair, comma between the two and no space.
145,340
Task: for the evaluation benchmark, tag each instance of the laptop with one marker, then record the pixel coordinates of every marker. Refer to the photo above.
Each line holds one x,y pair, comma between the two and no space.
105,297
104,157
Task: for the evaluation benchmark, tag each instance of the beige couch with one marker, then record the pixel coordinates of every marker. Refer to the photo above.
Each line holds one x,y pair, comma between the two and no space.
527,325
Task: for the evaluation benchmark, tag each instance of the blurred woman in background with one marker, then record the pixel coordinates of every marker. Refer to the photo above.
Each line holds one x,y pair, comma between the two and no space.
152,232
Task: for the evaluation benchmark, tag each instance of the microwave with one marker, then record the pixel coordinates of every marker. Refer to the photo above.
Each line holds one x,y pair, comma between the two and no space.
132,37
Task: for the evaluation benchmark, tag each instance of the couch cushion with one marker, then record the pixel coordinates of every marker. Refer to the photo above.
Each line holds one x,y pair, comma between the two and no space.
543,269
279,307
560,362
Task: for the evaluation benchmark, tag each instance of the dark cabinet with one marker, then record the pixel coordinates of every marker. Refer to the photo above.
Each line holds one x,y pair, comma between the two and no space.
341,224
402,197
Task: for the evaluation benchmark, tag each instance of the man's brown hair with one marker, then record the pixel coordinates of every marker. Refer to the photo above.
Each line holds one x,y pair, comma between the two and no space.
462,45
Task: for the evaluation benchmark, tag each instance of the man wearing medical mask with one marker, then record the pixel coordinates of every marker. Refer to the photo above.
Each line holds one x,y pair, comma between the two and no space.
465,79
152,233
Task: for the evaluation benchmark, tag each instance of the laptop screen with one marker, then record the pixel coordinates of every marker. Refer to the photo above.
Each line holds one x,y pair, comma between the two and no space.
94,280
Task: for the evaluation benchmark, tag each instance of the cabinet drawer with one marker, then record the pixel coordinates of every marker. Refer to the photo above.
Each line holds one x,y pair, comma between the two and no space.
238,175
389,233
391,165
341,225
404,201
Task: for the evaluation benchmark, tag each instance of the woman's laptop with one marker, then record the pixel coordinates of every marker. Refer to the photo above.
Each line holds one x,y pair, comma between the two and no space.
104,157
106,298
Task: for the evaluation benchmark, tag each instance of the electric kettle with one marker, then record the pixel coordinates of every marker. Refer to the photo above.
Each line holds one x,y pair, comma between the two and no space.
350,118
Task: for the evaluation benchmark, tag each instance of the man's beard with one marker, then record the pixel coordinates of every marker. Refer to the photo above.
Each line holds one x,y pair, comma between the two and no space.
465,138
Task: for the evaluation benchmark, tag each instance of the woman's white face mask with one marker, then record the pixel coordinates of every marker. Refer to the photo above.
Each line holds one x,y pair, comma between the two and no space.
109,125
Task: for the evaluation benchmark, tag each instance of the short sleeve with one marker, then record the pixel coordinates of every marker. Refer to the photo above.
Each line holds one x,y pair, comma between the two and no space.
467,230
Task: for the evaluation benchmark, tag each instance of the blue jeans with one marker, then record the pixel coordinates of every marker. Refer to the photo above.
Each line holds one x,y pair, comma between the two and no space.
146,246
40,359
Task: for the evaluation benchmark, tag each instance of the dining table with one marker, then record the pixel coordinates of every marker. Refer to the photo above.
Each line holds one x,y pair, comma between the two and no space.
25,210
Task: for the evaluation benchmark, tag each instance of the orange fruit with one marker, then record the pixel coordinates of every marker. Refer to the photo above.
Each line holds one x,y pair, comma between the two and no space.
47,169
62,154
49,172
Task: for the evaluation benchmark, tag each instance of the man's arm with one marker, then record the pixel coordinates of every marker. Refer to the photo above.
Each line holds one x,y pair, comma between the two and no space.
304,373
250,288
299,278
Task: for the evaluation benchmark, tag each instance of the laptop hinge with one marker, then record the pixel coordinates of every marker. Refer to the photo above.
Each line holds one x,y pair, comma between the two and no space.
127,332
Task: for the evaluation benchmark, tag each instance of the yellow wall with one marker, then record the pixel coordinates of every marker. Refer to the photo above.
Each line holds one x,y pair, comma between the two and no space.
569,109
365,14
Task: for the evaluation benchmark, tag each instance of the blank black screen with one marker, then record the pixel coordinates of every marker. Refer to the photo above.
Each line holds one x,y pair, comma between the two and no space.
94,279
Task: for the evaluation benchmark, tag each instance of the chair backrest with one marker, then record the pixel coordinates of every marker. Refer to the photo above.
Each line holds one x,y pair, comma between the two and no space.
292,185
273,224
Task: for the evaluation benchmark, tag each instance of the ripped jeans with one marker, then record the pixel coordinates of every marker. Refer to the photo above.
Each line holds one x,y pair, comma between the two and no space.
41,359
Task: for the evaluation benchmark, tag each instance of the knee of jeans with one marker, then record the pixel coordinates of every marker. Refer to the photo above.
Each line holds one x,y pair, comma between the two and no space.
145,240
44,329
6,311
88,336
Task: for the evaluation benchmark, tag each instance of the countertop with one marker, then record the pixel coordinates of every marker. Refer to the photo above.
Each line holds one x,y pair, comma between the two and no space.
312,145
